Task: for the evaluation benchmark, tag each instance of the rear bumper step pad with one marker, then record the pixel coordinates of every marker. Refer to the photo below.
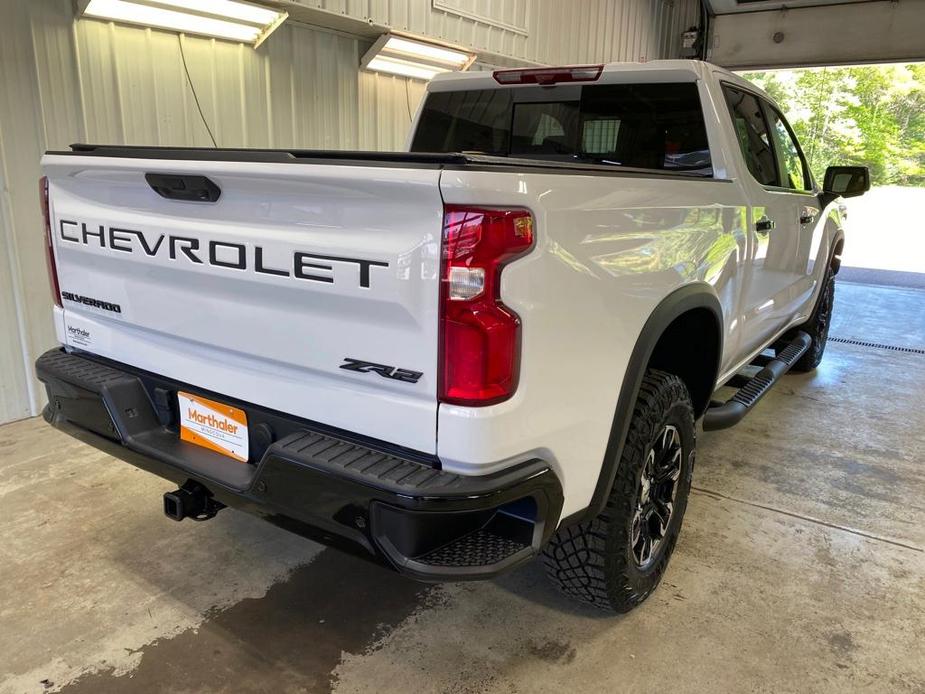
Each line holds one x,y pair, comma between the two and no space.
751,390
384,503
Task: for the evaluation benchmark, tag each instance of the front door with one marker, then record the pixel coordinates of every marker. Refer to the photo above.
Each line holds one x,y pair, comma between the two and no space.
798,187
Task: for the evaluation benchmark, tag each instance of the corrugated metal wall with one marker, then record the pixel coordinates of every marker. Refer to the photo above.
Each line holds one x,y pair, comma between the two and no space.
64,81
110,83
601,31
545,31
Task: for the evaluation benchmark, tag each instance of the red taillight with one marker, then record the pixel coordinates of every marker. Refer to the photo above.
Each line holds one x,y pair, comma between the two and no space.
549,75
49,249
479,335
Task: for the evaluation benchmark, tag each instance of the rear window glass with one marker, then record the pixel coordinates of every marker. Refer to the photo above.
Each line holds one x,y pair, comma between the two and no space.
649,126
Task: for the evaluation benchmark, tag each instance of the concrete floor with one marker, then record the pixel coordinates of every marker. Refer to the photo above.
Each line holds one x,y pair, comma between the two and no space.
800,568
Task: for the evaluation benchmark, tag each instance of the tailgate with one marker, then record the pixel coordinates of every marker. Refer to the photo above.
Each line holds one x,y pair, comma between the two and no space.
295,272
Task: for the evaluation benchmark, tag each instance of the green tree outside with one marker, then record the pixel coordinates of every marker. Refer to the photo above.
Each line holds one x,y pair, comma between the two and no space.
871,115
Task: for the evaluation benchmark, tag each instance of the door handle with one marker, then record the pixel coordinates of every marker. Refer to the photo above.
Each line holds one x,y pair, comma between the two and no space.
808,214
764,225
183,187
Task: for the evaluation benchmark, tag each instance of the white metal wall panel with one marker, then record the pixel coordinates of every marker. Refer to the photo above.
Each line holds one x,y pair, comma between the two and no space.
545,31
64,81
299,90
512,15
14,386
600,31
387,106
22,136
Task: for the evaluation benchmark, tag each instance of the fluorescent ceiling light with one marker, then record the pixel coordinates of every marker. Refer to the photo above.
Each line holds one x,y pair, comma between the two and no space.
224,19
405,69
406,57
426,51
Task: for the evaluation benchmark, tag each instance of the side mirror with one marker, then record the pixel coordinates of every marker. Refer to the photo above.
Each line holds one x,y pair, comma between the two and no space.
846,181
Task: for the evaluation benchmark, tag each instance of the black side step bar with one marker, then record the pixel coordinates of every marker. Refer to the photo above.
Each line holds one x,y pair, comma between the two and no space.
751,390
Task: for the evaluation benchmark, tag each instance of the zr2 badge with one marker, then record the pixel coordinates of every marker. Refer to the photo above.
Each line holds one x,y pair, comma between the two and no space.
384,370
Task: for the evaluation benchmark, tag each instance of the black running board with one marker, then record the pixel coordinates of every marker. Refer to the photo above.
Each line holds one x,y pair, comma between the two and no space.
751,390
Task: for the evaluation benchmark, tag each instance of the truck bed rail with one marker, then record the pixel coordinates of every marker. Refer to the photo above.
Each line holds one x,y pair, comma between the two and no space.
419,160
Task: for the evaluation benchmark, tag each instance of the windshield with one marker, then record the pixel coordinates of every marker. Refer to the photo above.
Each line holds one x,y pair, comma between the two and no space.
648,126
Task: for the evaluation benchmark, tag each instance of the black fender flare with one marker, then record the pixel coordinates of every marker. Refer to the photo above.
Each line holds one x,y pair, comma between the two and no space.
680,301
835,261
833,265
837,234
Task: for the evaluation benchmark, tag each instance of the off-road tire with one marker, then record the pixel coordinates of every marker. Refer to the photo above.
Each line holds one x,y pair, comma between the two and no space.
594,560
817,327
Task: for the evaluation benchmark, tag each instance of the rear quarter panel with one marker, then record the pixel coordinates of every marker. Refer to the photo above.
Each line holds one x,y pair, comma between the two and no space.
609,249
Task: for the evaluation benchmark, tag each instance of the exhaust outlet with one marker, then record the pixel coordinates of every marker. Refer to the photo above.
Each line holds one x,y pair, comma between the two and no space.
192,500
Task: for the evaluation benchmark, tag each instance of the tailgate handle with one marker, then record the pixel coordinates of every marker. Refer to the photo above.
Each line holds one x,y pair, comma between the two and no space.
183,187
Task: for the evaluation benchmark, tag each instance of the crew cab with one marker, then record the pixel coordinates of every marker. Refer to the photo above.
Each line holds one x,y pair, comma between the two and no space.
493,346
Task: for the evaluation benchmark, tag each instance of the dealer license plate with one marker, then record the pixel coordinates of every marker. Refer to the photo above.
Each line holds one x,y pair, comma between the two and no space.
213,425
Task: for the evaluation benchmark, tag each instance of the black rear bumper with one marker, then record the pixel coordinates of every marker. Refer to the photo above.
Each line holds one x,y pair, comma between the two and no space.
389,504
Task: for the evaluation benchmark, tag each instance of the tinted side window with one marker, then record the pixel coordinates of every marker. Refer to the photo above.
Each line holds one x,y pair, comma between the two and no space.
794,171
752,132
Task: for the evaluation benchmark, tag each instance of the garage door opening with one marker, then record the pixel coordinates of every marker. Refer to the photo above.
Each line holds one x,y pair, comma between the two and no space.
872,115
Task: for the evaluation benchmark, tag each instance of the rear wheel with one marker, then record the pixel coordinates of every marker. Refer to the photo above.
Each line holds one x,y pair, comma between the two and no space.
616,559
818,327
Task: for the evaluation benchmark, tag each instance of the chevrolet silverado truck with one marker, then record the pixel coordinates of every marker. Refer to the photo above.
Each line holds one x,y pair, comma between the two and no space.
495,346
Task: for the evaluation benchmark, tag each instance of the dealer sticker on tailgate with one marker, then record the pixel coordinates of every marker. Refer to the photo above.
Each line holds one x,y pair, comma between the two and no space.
213,425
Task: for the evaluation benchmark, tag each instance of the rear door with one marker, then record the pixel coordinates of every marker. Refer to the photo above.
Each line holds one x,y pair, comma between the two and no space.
310,289
773,290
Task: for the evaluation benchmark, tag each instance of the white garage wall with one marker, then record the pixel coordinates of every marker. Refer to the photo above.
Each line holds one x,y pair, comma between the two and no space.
595,31
23,288
100,82
545,31
65,81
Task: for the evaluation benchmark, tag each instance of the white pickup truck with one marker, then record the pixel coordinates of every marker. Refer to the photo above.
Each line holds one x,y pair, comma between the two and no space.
451,360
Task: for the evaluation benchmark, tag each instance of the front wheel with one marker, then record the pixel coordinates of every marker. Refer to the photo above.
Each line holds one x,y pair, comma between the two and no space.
616,559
